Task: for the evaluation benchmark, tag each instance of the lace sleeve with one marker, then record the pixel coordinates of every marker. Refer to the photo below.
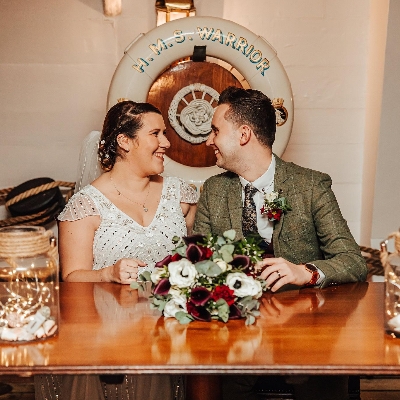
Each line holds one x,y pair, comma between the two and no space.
188,194
79,206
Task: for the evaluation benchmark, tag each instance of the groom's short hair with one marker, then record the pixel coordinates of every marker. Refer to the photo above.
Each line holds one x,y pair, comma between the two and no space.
253,108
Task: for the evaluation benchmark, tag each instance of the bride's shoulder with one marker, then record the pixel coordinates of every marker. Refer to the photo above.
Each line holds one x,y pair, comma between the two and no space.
187,193
82,204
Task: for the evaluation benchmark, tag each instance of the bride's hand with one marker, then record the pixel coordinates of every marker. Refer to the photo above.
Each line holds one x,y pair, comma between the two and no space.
124,270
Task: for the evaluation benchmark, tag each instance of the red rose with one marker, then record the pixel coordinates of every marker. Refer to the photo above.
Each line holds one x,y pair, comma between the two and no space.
278,214
275,214
206,252
223,292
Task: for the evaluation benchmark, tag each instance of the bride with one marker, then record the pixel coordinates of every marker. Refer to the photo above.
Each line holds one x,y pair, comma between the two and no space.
118,226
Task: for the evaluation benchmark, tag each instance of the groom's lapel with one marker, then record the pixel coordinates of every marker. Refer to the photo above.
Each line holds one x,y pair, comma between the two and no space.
283,183
234,195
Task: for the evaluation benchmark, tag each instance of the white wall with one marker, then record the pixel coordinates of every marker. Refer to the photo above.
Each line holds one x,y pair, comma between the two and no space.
57,60
323,46
56,63
386,200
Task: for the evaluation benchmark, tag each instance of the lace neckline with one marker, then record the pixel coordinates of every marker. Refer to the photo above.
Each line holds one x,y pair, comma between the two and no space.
108,201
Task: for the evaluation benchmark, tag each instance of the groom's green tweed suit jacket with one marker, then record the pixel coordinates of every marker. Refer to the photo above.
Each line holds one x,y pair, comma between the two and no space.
314,231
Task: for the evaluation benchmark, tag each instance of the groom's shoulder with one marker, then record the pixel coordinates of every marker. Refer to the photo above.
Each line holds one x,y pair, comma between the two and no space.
300,171
221,180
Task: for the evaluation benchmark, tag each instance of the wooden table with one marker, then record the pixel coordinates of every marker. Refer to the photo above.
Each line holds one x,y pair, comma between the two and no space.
108,328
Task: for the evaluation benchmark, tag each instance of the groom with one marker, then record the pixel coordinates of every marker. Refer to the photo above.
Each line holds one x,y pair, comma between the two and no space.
309,244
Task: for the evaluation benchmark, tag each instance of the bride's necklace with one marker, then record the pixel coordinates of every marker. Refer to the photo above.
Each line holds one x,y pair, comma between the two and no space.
145,209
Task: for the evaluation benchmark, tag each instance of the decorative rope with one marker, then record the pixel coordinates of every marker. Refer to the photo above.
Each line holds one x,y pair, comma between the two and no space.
38,189
4,193
372,258
40,217
24,243
27,243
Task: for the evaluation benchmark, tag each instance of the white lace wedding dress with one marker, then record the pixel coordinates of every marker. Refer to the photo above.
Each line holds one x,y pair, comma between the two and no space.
119,236
151,243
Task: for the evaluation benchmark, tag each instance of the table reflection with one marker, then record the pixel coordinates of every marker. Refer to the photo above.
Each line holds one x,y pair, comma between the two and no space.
167,341
25,355
107,327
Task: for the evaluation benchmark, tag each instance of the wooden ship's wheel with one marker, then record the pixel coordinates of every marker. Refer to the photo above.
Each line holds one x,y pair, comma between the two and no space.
187,93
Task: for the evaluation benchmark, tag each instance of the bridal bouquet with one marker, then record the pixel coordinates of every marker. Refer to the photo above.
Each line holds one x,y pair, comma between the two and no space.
208,278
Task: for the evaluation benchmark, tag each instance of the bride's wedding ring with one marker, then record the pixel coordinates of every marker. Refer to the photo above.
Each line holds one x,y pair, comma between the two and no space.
129,275
279,274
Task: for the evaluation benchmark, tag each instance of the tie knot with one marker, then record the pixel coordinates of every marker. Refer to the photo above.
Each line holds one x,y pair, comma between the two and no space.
250,190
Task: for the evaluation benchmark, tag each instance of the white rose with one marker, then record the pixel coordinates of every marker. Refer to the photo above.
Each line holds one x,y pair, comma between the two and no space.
178,297
271,196
172,307
222,264
156,275
243,285
182,273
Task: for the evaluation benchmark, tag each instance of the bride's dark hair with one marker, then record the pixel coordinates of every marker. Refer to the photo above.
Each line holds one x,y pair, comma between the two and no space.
126,118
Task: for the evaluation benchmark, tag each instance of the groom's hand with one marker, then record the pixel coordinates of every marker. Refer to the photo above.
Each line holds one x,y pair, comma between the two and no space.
278,272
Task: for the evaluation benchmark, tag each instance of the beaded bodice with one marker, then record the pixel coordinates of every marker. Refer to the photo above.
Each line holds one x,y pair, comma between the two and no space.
119,236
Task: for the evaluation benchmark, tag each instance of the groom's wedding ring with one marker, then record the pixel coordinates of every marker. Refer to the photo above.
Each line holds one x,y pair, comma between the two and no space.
129,275
279,274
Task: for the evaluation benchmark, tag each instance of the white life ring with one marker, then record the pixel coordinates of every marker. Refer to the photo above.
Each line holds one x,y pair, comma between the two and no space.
151,53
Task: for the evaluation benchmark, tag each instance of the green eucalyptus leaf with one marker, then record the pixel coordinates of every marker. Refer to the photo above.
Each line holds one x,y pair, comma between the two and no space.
221,302
202,266
250,319
159,304
227,257
145,276
223,314
223,309
230,248
208,268
183,317
221,241
181,250
176,239
244,301
134,285
214,270
253,304
231,234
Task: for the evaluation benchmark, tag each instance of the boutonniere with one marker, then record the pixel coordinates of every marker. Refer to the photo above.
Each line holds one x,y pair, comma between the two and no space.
274,206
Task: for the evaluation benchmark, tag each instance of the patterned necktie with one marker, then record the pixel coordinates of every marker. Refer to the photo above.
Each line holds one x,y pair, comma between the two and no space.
249,217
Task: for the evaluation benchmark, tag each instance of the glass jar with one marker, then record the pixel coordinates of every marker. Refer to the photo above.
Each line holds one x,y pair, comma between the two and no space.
391,265
29,301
